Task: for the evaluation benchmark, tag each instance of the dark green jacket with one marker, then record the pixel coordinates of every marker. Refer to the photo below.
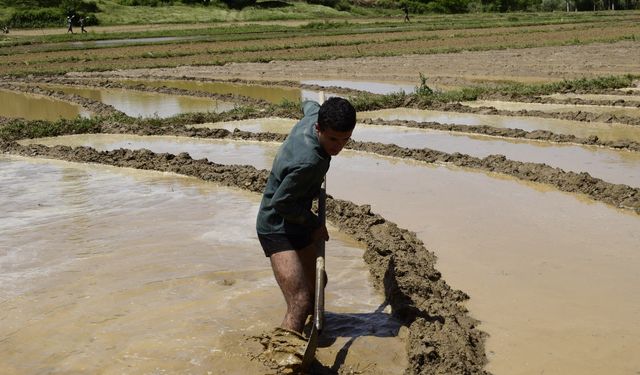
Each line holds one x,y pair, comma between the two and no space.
295,179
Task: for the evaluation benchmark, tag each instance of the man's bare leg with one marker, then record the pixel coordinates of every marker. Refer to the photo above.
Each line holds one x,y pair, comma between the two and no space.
295,273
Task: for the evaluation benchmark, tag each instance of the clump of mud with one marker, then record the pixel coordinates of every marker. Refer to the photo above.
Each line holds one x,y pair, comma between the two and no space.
283,350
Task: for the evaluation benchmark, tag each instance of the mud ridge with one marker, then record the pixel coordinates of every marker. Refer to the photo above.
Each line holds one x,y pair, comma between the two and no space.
573,101
538,135
443,338
292,84
583,116
617,195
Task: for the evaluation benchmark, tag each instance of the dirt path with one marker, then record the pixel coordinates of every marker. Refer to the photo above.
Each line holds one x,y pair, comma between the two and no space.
543,64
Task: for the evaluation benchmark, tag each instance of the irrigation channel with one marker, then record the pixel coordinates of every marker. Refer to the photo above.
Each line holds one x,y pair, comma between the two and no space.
118,269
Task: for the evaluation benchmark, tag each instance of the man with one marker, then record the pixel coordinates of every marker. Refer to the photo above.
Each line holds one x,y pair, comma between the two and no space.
70,24
287,228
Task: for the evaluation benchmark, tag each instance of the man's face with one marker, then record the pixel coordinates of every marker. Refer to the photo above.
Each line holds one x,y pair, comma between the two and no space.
333,141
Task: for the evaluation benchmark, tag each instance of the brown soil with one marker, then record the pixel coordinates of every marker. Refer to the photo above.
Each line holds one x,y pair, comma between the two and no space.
542,64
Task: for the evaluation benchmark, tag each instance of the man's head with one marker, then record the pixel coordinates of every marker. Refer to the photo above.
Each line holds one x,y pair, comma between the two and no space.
336,120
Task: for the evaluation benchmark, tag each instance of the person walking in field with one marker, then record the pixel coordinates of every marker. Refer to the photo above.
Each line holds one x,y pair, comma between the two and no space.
287,229
82,25
69,24
405,8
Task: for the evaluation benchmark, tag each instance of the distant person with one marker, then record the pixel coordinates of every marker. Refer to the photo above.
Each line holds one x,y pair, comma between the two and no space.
69,24
82,25
406,12
5,29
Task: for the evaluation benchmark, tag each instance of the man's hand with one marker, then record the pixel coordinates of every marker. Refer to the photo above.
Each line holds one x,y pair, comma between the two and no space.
320,233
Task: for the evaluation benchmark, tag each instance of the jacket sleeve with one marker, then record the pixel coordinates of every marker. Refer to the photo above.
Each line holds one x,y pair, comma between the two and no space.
289,199
310,108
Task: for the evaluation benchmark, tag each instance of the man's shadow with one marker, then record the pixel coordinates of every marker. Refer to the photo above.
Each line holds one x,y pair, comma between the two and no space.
375,324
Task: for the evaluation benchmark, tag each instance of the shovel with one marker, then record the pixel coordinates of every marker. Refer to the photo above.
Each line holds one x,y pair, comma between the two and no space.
318,307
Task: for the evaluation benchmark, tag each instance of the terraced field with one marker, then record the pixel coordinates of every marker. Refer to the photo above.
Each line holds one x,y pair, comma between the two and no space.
500,229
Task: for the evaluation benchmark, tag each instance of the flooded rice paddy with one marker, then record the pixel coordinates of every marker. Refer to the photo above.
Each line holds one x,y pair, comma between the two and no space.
373,87
37,107
147,104
116,271
147,272
269,93
582,129
617,166
525,266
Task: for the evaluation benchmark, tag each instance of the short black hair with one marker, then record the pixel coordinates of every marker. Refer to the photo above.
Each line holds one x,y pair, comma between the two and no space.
337,114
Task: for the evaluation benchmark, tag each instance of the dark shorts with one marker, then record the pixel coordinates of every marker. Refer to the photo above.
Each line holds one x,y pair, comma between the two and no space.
274,243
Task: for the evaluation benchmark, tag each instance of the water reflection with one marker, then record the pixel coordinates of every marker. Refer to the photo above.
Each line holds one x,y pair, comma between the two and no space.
146,104
35,107
578,128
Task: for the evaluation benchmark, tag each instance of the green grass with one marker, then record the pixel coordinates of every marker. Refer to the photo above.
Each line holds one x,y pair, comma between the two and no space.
116,14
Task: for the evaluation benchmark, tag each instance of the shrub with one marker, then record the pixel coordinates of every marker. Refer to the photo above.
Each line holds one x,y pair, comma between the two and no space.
239,4
30,18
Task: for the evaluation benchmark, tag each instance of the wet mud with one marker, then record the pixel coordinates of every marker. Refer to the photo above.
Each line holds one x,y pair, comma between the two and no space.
577,115
442,338
621,102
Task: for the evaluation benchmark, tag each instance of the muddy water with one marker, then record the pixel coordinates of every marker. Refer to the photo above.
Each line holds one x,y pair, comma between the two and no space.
269,93
552,276
373,87
225,152
260,125
114,271
621,167
35,107
544,107
577,128
626,98
145,104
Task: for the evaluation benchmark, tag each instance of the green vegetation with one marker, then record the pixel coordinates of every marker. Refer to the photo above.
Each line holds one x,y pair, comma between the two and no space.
424,96
52,13
22,129
47,13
